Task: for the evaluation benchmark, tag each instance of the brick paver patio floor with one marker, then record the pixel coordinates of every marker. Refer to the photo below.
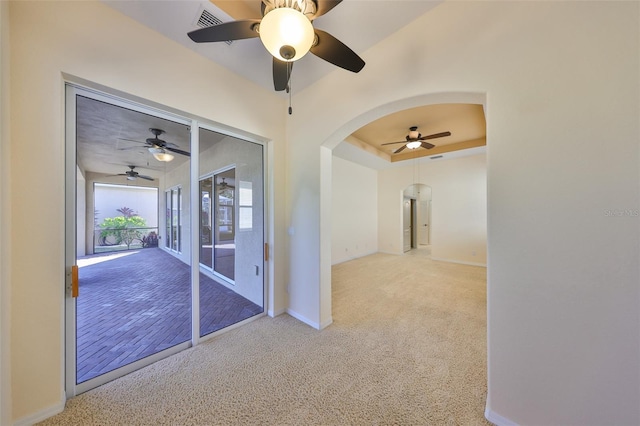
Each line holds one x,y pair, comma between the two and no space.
139,303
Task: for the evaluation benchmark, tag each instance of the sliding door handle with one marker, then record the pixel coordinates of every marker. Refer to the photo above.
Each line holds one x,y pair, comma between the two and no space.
74,281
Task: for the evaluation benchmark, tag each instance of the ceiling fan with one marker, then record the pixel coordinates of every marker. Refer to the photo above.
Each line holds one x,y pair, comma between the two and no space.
415,140
286,30
158,147
133,175
224,185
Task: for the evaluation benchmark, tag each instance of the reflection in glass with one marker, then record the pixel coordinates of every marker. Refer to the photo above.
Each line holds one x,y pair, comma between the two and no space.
224,230
245,205
206,242
231,230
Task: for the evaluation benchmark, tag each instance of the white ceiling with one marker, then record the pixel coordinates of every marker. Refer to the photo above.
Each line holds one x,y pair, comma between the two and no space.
360,24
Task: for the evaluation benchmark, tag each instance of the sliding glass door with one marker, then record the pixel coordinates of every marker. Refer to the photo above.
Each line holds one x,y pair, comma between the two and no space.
191,256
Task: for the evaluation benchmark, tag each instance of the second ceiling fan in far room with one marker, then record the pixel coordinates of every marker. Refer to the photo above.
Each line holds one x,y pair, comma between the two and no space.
286,30
415,140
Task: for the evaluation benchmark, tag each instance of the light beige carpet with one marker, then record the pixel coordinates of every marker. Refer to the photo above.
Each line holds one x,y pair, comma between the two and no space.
407,347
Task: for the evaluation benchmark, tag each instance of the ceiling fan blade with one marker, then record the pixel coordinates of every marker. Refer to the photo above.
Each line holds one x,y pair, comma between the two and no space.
435,136
336,52
234,30
427,145
402,148
325,6
178,151
391,143
130,140
281,74
145,177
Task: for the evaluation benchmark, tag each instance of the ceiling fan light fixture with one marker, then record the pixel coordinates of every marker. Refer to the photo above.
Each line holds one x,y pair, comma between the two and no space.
286,33
414,145
160,154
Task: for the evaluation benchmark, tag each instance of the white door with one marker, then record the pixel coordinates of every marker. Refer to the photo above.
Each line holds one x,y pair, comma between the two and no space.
406,224
423,223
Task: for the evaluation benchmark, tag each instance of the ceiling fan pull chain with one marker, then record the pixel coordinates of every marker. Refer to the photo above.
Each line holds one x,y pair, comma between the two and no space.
289,66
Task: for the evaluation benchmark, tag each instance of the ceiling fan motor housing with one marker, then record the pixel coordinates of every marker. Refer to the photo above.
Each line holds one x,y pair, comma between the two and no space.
413,134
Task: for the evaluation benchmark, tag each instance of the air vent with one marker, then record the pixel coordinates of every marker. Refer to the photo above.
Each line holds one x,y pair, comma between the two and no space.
207,19
435,157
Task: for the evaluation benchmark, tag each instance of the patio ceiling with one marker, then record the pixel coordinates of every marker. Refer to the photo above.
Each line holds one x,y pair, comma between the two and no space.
106,138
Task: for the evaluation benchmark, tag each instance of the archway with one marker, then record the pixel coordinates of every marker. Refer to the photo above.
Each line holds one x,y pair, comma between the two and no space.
326,171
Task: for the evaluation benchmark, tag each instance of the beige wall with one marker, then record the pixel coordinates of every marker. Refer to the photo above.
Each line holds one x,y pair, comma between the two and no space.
93,42
561,84
5,219
354,211
459,211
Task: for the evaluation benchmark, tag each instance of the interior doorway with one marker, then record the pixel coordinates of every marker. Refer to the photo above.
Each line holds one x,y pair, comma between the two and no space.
417,199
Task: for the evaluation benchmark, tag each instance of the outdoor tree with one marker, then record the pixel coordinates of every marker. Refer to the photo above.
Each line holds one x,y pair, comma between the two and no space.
125,229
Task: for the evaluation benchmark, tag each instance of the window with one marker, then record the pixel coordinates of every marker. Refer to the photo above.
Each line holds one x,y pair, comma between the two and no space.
245,205
173,219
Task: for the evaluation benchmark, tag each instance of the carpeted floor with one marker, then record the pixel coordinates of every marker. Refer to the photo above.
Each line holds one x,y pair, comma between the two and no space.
407,347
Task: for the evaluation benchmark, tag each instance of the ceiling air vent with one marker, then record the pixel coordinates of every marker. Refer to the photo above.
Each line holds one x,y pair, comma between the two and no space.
435,157
207,19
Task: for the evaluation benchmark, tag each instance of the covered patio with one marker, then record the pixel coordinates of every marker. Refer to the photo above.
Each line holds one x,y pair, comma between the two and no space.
137,303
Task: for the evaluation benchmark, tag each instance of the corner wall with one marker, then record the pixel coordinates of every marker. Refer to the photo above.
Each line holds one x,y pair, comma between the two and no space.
354,211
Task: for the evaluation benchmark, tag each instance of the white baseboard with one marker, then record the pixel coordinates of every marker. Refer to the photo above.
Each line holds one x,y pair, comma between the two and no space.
326,324
274,314
395,253
348,258
304,319
497,419
42,414
461,262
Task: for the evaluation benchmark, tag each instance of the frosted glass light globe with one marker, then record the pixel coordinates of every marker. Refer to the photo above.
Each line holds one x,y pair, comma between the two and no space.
414,144
286,33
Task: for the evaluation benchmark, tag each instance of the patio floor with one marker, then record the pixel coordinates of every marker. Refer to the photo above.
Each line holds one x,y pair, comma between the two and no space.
134,304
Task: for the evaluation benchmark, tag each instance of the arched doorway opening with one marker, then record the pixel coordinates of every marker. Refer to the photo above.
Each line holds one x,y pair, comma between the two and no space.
416,217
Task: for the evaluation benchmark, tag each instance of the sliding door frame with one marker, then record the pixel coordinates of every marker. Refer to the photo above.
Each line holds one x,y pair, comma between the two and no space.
72,89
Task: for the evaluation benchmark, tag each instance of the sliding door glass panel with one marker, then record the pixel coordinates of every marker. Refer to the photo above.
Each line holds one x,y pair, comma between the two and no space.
232,209
136,302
